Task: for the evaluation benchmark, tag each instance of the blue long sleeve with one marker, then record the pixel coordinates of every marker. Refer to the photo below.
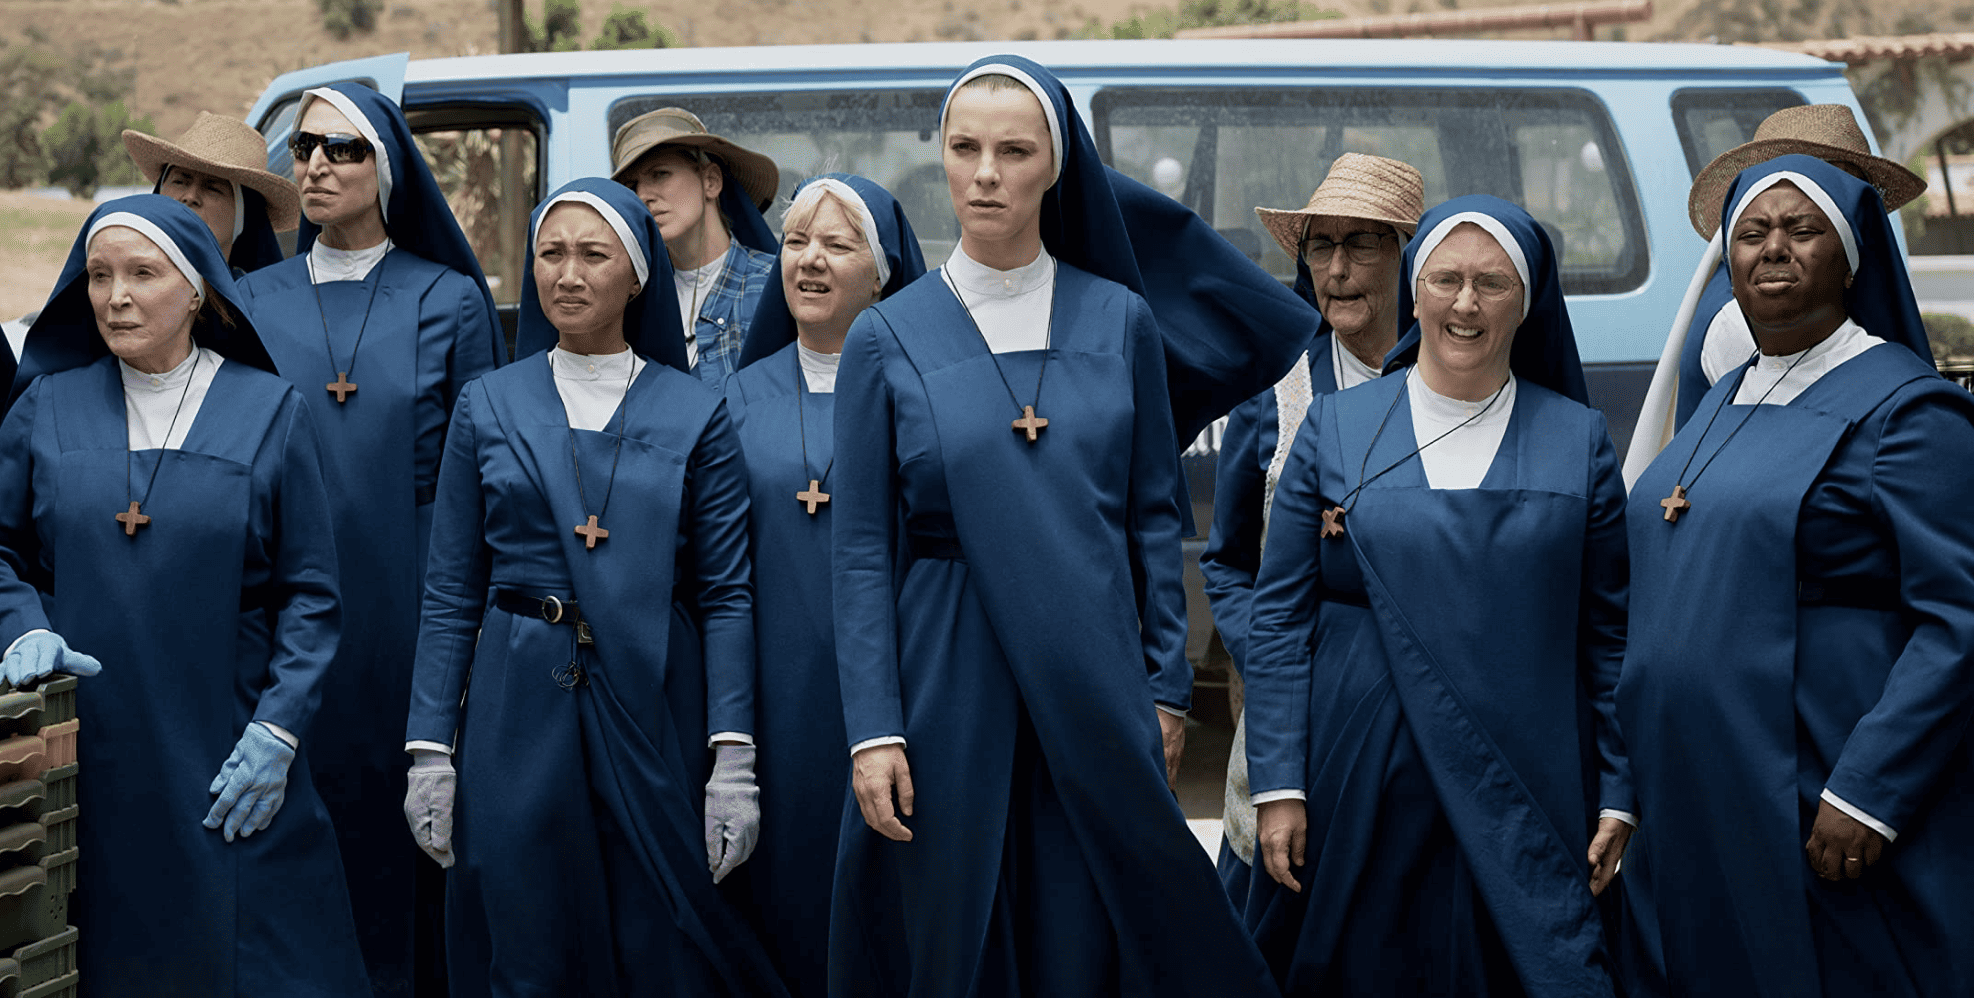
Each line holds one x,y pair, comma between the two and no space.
1155,526
1284,618
456,579
716,522
1603,617
20,545
304,580
1232,557
864,542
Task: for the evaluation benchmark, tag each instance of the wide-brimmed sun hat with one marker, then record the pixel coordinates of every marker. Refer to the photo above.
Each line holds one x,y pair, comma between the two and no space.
1372,188
223,147
1827,131
678,126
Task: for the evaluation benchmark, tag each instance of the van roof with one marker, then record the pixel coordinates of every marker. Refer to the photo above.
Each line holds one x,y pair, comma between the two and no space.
1302,55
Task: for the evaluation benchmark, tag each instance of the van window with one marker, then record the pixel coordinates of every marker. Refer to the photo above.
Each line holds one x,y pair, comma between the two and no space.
486,161
889,136
1225,151
1712,120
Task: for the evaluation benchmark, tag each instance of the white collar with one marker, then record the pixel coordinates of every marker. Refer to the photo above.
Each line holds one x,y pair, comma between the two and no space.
1446,408
591,367
326,263
1813,360
1345,367
170,381
980,280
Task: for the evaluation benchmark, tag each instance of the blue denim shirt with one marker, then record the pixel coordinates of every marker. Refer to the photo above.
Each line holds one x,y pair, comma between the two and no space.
724,315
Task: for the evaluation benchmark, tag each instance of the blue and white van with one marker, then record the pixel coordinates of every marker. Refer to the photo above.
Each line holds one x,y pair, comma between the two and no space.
1599,140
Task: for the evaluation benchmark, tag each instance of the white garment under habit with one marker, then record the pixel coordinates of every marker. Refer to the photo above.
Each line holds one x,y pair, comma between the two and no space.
1011,307
326,263
818,369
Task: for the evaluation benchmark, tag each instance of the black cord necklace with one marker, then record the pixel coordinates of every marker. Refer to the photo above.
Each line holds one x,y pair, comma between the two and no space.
1333,517
133,517
342,387
814,496
589,530
1676,503
1028,423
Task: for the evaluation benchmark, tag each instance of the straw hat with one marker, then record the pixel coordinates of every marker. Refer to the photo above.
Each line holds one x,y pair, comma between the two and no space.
1372,188
224,147
1827,131
678,126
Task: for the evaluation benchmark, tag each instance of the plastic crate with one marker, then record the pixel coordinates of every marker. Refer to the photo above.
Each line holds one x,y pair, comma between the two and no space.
60,828
60,783
22,757
65,986
20,712
44,961
10,977
25,842
23,906
23,799
60,867
58,743
58,699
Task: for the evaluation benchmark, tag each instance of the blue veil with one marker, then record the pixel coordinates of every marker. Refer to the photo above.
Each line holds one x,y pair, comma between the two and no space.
416,215
64,336
1880,298
651,320
1230,329
774,328
1545,346
744,220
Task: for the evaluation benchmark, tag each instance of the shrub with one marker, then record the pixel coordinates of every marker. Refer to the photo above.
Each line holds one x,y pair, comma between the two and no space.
343,18
626,28
85,147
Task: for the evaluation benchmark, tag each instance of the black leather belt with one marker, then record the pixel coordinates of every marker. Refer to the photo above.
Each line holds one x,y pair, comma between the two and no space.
1340,596
934,547
1859,592
551,609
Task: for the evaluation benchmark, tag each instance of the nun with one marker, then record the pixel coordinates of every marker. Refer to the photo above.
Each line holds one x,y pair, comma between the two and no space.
1412,718
1798,685
707,194
378,247
559,749
165,530
218,169
1352,232
1009,609
845,244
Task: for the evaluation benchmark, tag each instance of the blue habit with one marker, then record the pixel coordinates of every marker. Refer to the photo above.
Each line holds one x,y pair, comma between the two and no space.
581,854
1049,856
1421,679
804,775
1805,625
427,335
222,611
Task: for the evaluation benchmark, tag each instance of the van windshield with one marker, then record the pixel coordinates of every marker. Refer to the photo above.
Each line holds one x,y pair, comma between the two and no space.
1224,151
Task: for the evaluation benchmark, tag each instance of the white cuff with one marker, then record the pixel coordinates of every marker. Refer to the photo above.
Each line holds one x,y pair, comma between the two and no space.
728,736
875,742
282,733
1270,796
17,641
1174,711
431,746
1625,816
1869,822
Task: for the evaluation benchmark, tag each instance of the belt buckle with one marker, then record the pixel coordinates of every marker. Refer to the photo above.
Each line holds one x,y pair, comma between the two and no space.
583,634
551,609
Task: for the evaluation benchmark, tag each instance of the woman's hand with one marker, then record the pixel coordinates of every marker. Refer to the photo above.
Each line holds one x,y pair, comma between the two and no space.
1281,837
39,653
1841,847
1172,734
874,774
1606,850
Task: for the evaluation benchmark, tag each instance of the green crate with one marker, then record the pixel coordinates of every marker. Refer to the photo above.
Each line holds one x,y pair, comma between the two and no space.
27,797
20,712
10,978
60,782
64,986
48,959
23,906
58,699
60,827
61,877
24,842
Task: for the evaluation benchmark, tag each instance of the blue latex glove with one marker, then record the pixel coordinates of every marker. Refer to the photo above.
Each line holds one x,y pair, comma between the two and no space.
40,653
733,809
252,784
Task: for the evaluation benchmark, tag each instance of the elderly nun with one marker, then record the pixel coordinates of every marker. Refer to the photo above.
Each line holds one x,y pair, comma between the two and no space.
845,245
164,529
1799,682
379,320
218,168
558,736
1009,607
1444,586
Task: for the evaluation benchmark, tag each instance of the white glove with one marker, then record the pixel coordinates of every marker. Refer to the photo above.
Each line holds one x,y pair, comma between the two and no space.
36,654
733,809
428,803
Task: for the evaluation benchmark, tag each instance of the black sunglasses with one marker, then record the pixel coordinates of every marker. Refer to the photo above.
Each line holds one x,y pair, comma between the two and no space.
337,147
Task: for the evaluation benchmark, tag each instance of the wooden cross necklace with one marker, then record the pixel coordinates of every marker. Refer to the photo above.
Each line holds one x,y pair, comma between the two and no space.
135,517
1028,423
813,496
1333,517
343,387
1677,503
590,530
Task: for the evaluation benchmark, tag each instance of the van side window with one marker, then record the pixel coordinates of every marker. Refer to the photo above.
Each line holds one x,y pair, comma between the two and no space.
486,160
1223,151
889,136
1713,120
